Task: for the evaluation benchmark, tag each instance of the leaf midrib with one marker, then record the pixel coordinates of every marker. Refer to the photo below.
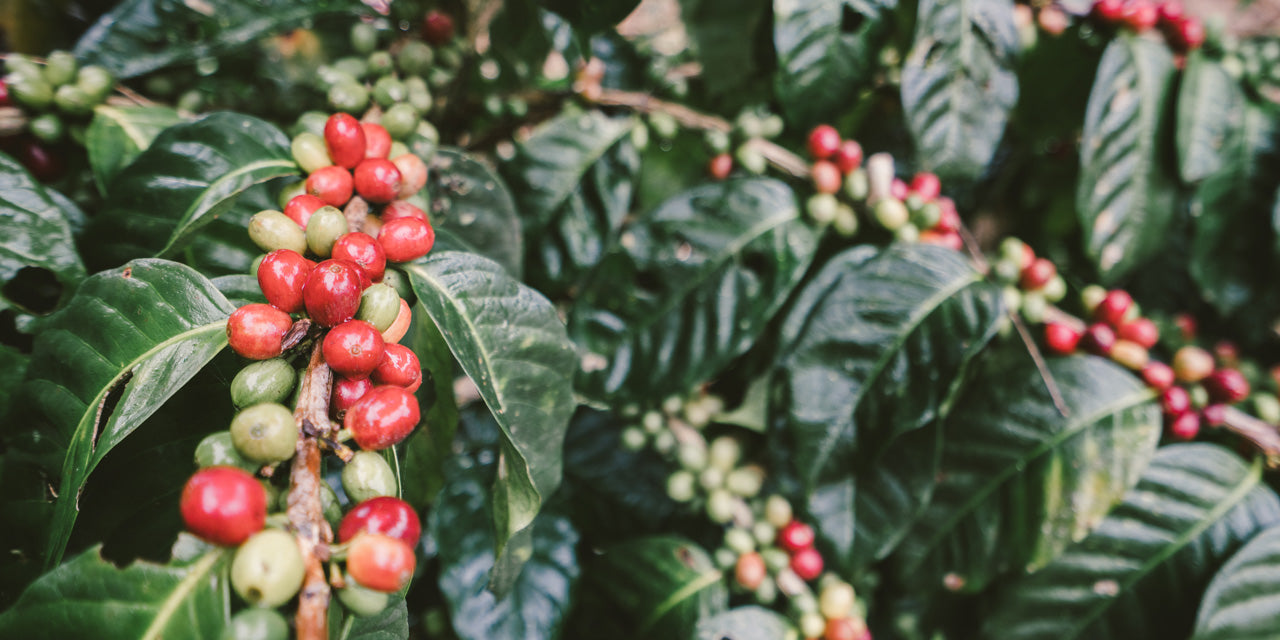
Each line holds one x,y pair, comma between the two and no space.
175,599
189,216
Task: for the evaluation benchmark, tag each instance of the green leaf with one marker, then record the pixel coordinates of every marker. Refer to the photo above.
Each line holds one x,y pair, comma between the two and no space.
391,624
591,16
510,342
1019,480
1210,116
535,607
877,344
223,246
36,232
192,173
724,35
118,134
747,623
653,587
89,597
1125,197
240,289
136,335
711,267
427,450
1141,572
826,53
138,36
13,365
959,83
1241,600
472,210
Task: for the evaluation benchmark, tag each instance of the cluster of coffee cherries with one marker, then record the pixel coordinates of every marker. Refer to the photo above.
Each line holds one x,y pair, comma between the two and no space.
1183,32
55,99
769,551
752,123
1031,283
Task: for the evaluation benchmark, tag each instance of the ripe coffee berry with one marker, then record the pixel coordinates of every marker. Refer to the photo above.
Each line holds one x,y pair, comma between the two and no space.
346,392
795,536
281,276
1158,375
1109,11
413,174
223,505
750,571
720,166
344,137
848,156
406,239
841,629
332,292
256,331
364,250
400,325
379,562
353,349
377,180
1113,307
1192,364
1185,426
1175,401
826,177
383,417
1171,11
437,28
399,367
1227,386
823,141
333,185
807,563
1141,331
1061,338
1129,354
402,209
300,207
377,140
1214,415
926,185
1098,339
1141,15
1037,274
1189,34
387,515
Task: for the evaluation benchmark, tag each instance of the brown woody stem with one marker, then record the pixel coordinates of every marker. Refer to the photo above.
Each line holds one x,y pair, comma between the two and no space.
306,515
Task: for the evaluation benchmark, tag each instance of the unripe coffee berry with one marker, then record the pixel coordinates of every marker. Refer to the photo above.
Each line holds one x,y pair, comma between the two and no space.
1192,364
217,450
364,250
377,180
324,228
795,536
344,138
300,208
309,152
265,433
223,505
402,209
400,120
256,624
256,331
379,562
379,306
368,476
281,275
399,367
383,417
406,239
413,174
386,515
272,230
353,349
807,563
361,601
332,292
377,140
750,571
1061,338
332,184
1129,354
824,140
400,325
265,381
891,213
346,392
268,569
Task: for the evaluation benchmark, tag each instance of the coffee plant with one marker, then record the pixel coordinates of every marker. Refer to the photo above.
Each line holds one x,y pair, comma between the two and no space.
714,319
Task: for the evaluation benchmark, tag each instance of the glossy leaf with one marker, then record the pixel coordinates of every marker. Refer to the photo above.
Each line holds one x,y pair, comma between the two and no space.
1019,480
13,365
724,34
747,623
877,344
826,53
1141,572
427,450
191,173
391,624
36,231
510,342
1125,196
90,597
223,246
591,16
1241,600
136,335
239,289
959,83
711,266
117,134
540,598
138,36
472,210
1210,116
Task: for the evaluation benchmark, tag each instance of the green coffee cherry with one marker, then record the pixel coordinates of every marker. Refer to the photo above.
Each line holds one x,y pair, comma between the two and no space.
891,213
775,558
256,624
364,38
740,540
1055,290
360,601
60,68
396,279
751,159
415,58
47,128
380,64
310,152
32,92
846,222
277,500
681,486
1011,249
311,122
290,191
324,228
368,476
389,90
73,101
907,233
928,215
217,450
822,208
692,455
379,305
664,442
353,66
398,149
664,125
330,506
1012,298
272,230
418,95
450,57
439,78
18,64
1091,296
634,439
327,77
350,97
720,505
257,262
745,481
1034,306
717,141
191,101
724,453
640,136
268,568
400,120
263,381
777,511
95,81
711,478
856,185
764,533
265,433
1267,406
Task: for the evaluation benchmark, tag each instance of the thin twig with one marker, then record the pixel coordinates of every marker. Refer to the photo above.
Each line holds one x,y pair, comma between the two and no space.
1261,434
305,511
1041,365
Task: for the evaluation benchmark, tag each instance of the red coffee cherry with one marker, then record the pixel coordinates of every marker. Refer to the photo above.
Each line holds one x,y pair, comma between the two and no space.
364,250
377,140
807,563
1185,426
750,571
331,184
402,209
823,141
413,174
383,417
1171,11
950,220
386,515
1214,415
44,163
377,180
281,276
399,367
795,536
5,101
927,186
898,189
1227,386
256,331
1158,375
332,292
1037,274
1113,307
848,156
400,325
406,239
1109,11
344,137
353,349
346,392
1189,34
300,207
720,166
437,28
1141,15
1140,330
1061,338
381,563
1098,339
223,505
826,177
1175,401
842,629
